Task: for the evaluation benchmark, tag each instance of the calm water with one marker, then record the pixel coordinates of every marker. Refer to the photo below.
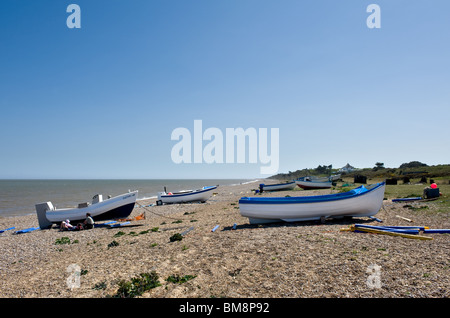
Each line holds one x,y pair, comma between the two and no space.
18,197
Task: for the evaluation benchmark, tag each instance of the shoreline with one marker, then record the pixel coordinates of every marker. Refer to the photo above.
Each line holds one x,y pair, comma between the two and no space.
279,260
62,201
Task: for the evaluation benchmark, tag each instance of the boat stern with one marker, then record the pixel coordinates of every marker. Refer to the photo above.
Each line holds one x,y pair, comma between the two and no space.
41,211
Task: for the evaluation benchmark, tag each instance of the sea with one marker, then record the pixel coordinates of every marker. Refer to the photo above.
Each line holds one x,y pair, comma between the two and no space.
18,197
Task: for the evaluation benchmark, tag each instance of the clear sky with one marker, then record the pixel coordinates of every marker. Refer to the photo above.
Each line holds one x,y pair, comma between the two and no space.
101,101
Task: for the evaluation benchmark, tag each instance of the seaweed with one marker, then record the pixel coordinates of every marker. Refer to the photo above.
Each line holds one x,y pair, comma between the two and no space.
176,237
177,279
112,244
137,285
62,240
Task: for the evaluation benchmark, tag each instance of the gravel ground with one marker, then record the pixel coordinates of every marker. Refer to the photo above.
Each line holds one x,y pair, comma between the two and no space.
283,260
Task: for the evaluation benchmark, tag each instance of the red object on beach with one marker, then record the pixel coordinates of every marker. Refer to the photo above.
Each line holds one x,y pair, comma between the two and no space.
433,186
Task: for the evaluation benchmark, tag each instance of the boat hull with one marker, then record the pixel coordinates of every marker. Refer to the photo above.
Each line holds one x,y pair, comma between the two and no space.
278,187
114,208
293,209
201,195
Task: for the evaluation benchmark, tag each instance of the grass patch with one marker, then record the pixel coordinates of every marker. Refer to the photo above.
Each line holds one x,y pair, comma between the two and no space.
176,279
100,286
441,205
137,285
176,237
113,244
132,233
415,208
62,240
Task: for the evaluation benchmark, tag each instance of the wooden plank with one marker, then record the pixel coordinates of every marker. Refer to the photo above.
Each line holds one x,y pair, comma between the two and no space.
413,236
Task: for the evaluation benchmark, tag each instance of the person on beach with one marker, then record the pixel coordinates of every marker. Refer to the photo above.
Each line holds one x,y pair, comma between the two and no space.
89,222
80,227
65,225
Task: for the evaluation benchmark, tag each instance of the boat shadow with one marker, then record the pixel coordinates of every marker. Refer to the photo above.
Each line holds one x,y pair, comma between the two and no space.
124,226
342,221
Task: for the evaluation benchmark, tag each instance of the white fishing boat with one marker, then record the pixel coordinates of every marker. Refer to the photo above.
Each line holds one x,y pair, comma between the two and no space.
314,178
359,202
117,207
201,195
277,187
313,184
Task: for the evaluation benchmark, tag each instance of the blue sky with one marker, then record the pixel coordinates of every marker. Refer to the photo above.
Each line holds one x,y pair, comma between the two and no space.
102,101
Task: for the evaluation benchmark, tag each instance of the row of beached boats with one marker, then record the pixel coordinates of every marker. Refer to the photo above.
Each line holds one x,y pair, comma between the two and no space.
360,202
306,183
118,207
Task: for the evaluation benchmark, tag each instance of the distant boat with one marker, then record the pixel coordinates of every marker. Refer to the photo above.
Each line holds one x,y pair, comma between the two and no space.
335,177
118,207
201,195
314,178
313,184
359,202
278,186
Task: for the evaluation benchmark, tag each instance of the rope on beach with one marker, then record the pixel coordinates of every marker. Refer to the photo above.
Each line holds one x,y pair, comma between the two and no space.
164,216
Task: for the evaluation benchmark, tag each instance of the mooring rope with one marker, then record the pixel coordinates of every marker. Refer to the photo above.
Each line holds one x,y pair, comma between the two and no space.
164,216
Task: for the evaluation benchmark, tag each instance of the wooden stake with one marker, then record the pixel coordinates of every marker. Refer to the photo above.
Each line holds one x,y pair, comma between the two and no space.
403,218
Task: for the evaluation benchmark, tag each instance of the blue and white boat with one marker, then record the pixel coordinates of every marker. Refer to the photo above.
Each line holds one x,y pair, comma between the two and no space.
118,207
363,201
278,186
199,195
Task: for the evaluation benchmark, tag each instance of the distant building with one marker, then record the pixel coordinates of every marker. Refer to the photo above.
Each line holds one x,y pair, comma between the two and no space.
347,168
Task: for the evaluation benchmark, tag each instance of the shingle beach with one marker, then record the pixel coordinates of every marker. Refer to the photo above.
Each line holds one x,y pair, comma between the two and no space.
279,260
